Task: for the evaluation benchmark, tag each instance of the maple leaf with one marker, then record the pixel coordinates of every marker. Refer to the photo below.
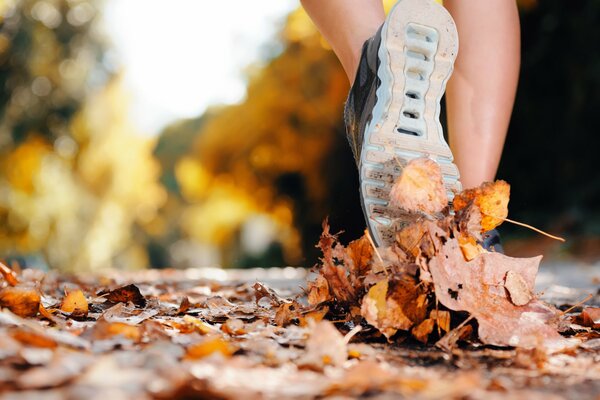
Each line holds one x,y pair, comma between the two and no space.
336,275
420,188
478,287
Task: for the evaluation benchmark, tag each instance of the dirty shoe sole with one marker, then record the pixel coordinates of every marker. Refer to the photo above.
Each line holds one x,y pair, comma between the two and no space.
418,47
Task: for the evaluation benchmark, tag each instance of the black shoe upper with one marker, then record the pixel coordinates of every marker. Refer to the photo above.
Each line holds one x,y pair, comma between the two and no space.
491,241
362,97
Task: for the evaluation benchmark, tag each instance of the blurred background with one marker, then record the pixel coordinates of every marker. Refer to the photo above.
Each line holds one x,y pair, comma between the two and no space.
180,133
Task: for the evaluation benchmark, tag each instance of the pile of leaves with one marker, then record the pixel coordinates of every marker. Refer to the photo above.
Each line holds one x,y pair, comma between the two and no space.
437,278
173,334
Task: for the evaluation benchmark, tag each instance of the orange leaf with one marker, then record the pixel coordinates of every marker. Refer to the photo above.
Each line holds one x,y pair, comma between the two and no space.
33,338
75,304
210,346
492,200
21,300
9,275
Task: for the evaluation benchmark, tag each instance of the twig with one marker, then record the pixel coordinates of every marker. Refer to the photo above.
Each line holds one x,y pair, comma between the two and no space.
589,296
353,332
533,228
376,251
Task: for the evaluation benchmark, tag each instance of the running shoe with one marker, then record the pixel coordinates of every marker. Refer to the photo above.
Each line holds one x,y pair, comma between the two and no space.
392,111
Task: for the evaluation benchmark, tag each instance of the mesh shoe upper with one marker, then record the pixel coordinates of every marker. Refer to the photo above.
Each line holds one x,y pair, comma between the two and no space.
362,97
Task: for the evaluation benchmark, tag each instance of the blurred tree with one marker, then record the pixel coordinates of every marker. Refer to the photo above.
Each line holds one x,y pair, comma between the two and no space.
74,178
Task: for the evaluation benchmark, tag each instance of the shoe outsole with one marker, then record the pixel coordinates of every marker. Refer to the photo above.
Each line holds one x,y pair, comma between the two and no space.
419,44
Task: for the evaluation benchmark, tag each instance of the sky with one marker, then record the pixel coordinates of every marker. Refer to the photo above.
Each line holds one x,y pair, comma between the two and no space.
180,56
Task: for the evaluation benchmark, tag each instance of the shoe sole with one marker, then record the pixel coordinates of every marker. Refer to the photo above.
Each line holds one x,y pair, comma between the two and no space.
419,43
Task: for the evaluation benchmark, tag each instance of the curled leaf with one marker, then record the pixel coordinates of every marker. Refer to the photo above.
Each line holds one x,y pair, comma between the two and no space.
492,200
420,188
518,290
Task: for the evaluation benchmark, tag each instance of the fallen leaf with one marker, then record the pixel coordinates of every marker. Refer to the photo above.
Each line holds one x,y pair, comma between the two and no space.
208,346
33,338
394,304
450,339
75,304
184,305
469,247
196,324
285,313
478,288
360,252
325,346
420,188
318,291
518,290
421,332
336,275
126,294
442,318
9,275
590,316
127,314
234,327
23,300
105,330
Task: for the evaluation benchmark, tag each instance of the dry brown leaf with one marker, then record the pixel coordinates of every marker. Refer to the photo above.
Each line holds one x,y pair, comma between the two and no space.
449,341
285,313
193,324
46,313
478,288
314,316
23,300
518,290
75,304
336,275
184,305
105,330
325,346
421,332
442,318
410,237
361,254
420,188
394,304
31,338
492,200
318,291
210,345
234,327
590,316
126,294
469,247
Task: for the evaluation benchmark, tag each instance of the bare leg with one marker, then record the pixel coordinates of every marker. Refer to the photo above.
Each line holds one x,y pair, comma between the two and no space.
346,25
481,92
